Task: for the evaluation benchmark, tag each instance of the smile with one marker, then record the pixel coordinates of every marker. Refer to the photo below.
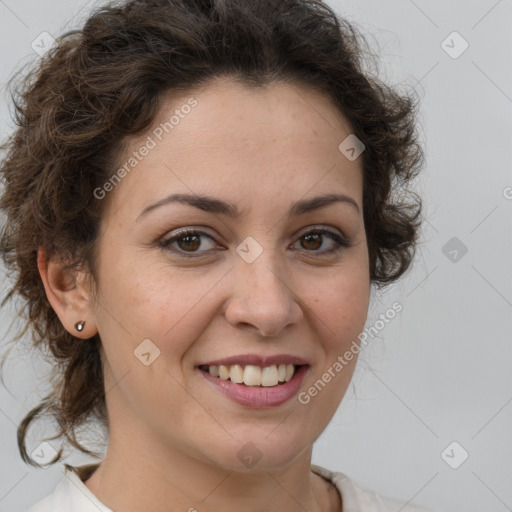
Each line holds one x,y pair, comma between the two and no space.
252,375
267,387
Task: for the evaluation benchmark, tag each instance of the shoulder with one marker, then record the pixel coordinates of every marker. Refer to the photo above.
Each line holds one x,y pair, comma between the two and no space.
71,494
357,498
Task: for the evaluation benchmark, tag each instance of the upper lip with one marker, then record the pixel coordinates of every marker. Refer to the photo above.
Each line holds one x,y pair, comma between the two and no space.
257,360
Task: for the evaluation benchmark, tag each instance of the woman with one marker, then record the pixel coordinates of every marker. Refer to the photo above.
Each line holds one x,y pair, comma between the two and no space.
199,197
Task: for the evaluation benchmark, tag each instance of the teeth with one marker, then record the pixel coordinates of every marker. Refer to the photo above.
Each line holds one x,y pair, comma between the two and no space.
269,376
236,373
290,370
224,372
252,375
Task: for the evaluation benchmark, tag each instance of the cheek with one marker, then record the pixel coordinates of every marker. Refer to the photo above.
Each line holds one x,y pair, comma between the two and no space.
341,317
343,310
159,302
143,301
340,299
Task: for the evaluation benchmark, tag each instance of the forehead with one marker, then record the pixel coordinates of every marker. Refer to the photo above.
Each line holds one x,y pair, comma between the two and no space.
226,138
251,114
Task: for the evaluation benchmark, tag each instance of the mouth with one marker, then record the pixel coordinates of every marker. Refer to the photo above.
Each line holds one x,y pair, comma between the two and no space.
253,386
252,375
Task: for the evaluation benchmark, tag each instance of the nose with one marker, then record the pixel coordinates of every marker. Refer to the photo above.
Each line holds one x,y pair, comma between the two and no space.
262,299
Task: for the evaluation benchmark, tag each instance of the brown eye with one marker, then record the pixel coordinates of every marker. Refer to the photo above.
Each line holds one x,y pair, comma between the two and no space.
187,243
313,240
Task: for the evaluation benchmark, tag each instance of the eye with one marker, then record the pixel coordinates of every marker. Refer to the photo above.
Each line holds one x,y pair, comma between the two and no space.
187,241
314,239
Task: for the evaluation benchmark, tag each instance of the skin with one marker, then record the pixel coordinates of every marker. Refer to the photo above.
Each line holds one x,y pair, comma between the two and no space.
174,438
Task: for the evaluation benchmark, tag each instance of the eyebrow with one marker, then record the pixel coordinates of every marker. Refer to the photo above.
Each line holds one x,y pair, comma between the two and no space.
214,205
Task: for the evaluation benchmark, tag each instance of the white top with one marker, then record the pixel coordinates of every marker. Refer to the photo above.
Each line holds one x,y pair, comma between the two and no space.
72,495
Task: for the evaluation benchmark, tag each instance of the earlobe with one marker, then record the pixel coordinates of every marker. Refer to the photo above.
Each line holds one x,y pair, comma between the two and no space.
67,295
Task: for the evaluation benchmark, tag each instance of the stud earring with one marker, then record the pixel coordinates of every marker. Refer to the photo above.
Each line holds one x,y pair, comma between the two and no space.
79,326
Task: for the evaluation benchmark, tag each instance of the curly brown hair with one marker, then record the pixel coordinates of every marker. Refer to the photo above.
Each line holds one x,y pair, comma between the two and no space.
106,81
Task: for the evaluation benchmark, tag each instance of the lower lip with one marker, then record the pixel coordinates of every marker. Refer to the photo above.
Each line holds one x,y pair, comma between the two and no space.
259,396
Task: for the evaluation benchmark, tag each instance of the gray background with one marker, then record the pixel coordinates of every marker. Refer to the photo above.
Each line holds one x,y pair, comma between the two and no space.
441,370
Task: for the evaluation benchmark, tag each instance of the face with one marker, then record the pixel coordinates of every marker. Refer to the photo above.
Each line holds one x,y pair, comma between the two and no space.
274,279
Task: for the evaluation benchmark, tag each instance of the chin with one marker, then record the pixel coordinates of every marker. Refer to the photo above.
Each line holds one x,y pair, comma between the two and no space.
259,452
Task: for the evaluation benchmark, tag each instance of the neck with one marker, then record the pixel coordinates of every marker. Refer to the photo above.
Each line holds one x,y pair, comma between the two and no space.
171,481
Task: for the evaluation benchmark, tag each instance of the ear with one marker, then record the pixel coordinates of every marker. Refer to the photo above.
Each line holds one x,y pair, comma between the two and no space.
68,291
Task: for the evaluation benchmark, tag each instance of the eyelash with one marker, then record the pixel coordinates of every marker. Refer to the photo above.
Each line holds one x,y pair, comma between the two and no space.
341,242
